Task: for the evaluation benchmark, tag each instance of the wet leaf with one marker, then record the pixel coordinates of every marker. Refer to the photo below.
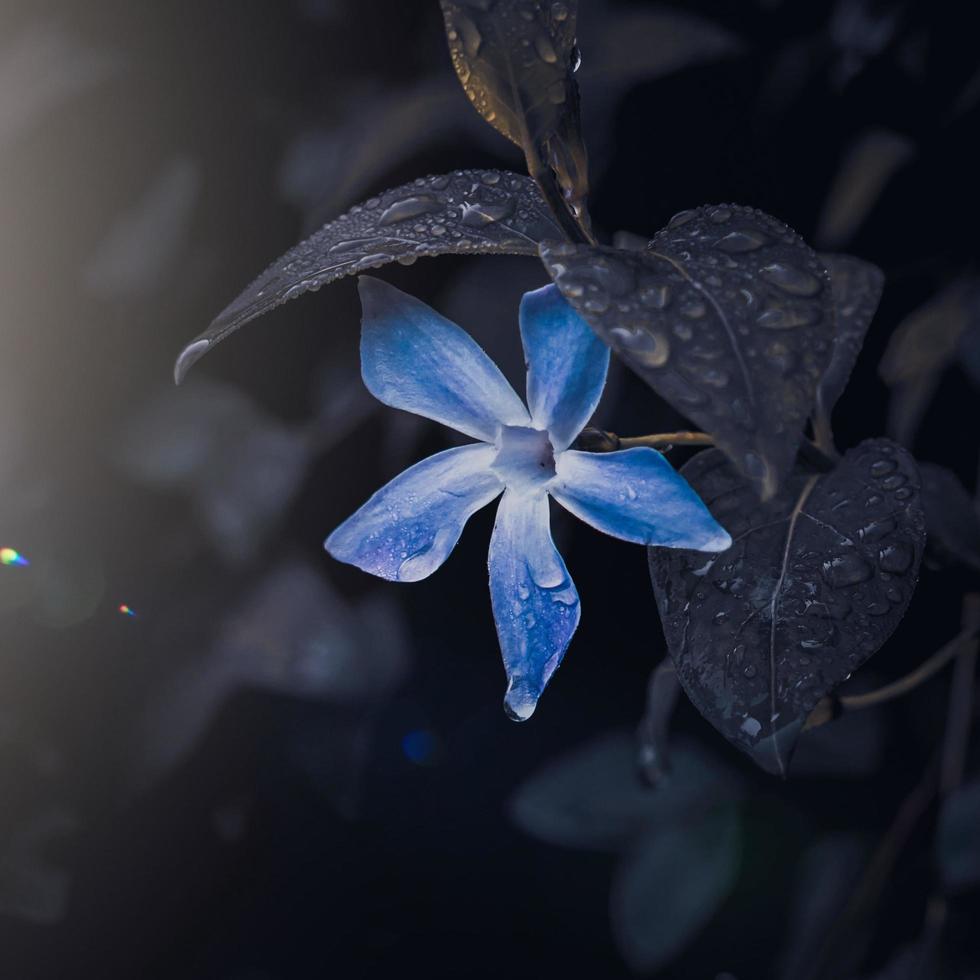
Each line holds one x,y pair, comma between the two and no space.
952,517
594,798
922,347
727,315
516,61
673,885
958,841
815,582
468,211
855,289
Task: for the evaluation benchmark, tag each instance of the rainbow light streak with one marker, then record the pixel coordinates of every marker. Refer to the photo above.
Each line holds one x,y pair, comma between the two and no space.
9,556
127,611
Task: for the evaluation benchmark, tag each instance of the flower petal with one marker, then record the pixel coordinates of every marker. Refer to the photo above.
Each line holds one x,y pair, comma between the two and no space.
638,496
413,358
566,365
409,527
535,603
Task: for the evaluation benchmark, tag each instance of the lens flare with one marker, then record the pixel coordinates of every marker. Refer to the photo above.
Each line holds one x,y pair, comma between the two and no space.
8,556
127,611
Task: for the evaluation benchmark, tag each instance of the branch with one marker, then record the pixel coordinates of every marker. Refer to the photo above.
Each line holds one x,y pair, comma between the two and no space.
599,441
928,668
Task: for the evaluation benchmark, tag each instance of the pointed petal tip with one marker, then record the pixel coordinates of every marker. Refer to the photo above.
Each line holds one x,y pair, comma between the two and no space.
189,356
721,541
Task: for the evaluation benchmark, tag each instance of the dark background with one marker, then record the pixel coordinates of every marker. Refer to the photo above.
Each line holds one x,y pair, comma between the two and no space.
221,785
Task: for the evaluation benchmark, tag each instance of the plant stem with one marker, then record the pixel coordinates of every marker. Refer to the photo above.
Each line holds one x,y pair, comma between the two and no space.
959,644
600,441
545,178
664,439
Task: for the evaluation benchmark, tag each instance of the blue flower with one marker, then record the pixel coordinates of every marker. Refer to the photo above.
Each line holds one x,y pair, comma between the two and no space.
414,359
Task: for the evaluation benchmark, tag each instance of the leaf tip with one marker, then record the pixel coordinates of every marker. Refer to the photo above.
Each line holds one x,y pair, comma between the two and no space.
189,356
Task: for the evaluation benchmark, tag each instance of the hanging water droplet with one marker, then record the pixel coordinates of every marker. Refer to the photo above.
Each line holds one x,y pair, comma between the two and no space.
519,702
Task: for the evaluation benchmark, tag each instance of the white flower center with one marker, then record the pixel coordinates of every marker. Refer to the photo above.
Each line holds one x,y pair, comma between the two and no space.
525,458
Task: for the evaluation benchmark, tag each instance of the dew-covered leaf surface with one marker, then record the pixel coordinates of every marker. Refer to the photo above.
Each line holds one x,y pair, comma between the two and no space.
727,315
673,884
815,581
594,798
952,517
516,62
468,211
856,288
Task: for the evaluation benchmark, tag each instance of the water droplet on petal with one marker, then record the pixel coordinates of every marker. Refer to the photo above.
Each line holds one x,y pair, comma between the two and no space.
519,703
